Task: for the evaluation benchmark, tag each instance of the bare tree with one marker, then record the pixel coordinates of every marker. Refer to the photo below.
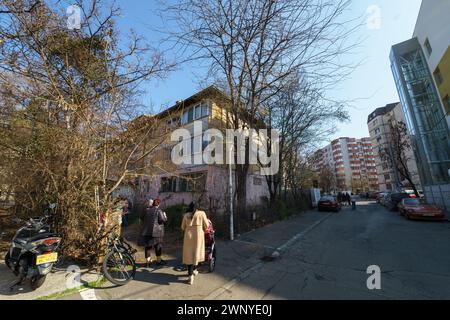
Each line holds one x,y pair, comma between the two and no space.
67,101
303,119
398,153
250,46
327,179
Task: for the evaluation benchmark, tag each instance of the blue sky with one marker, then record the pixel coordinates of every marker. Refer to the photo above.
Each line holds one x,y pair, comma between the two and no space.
370,86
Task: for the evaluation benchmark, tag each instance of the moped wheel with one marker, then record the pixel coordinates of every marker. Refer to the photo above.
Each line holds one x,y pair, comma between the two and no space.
37,281
7,257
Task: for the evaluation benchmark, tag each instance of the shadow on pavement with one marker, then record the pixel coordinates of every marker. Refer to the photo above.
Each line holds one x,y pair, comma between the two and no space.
156,277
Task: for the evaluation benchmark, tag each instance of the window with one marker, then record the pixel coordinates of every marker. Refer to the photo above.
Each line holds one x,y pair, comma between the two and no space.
205,110
169,184
428,47
184,118
446,103
195,113
198,112
438,76
193,183
257,181
377,131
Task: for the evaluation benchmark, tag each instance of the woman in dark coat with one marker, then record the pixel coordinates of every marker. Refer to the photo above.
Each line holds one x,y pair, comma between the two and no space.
152,232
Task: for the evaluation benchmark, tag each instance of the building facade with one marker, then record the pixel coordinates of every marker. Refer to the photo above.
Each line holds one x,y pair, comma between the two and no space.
425,119
379,124
433,33
206,184
353,163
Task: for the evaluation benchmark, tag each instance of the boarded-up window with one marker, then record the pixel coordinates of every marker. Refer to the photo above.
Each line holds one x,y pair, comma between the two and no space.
257,181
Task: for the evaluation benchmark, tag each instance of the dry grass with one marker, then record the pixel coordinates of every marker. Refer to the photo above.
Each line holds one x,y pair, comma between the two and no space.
7,231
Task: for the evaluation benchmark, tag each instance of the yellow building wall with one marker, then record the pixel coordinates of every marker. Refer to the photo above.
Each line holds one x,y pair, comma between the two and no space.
444,87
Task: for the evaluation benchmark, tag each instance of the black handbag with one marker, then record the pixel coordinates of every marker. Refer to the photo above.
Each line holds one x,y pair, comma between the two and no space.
141,241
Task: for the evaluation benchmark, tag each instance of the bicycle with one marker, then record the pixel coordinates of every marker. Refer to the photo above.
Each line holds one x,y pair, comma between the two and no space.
119,265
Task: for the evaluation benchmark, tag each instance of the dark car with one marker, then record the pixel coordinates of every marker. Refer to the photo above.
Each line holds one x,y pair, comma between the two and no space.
394,199
329,203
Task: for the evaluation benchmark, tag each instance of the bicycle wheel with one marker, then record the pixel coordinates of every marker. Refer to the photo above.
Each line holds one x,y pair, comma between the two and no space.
119,267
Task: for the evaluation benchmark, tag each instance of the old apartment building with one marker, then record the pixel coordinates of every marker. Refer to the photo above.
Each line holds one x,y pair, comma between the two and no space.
379,123
205,183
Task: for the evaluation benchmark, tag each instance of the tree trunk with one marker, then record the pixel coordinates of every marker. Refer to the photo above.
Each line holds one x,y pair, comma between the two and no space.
241,193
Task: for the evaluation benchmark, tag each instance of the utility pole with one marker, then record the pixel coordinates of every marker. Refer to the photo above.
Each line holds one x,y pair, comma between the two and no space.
230,191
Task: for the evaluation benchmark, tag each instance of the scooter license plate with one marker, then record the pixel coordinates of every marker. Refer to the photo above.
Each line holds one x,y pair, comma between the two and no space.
47,258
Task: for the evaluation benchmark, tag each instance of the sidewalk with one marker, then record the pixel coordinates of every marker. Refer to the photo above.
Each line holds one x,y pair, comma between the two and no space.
61,280
235,260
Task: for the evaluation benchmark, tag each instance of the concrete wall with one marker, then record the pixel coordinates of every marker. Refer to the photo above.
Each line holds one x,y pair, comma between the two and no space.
433,23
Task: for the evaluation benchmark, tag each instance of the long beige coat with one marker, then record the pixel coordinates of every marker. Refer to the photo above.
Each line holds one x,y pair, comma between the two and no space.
194,228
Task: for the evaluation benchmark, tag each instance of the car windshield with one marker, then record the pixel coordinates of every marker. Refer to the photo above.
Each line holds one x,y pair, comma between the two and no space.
411,202
327,199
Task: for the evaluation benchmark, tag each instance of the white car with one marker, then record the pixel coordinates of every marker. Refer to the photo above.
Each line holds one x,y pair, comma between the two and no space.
412,194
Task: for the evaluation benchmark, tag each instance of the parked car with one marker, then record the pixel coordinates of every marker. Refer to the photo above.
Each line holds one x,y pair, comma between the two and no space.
329,203
392,200
380,195
417,209
413,195
374,195
383,198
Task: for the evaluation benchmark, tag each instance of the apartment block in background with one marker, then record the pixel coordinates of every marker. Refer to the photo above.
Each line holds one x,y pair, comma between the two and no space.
379,123
353,163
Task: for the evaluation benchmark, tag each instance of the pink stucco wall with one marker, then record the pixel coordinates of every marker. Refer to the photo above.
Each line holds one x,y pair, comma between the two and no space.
215,196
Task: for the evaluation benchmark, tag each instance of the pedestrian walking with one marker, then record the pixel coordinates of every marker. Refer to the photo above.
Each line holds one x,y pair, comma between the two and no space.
125,211
194,225
353,198
152,232
348,198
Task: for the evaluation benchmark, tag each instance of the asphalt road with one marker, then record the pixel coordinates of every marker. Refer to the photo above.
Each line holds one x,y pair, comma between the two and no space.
325,256
331,261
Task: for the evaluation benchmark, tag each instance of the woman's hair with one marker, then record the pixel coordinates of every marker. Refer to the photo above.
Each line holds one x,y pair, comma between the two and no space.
192,207
156,202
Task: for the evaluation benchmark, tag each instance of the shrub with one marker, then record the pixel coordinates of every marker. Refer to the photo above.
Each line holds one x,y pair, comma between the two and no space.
282,210
175,216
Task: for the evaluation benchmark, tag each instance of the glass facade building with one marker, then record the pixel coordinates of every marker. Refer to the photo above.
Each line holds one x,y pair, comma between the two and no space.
424,116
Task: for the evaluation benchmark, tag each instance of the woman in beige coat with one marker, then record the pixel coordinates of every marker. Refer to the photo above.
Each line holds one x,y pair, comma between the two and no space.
194,225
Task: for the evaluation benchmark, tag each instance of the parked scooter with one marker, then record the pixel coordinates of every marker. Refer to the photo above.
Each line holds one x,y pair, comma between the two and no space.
33,251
